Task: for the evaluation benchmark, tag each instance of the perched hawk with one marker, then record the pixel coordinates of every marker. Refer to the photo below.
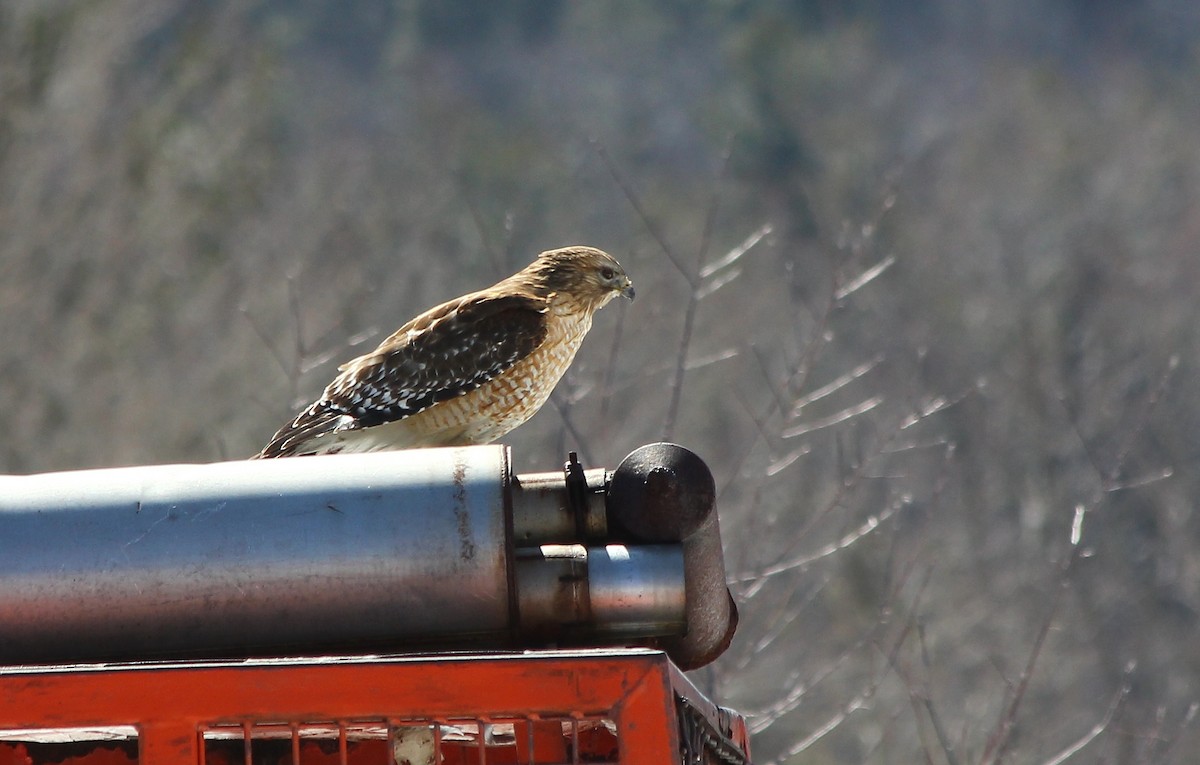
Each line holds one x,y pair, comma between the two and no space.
467,371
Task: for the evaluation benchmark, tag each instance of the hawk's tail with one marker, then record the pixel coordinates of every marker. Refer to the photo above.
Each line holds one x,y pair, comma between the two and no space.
298,438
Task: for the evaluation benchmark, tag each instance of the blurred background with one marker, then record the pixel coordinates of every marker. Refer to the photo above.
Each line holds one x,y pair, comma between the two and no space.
918,279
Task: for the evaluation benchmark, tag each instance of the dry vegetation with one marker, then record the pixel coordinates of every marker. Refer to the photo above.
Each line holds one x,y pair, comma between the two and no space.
930,275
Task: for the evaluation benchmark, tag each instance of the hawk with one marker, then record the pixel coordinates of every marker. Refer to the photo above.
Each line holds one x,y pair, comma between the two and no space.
467,371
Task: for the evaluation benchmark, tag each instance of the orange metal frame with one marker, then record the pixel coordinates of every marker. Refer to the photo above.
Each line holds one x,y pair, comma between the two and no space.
171,704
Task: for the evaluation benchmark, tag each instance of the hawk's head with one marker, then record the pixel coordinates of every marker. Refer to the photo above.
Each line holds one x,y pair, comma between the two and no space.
584,274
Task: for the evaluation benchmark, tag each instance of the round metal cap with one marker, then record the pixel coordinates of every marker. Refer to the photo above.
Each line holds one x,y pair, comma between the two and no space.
661,493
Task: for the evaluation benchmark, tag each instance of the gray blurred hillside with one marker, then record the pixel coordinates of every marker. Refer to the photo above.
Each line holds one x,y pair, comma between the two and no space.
967,303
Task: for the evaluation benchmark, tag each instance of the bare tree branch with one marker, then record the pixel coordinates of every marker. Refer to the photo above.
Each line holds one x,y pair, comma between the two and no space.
1092,734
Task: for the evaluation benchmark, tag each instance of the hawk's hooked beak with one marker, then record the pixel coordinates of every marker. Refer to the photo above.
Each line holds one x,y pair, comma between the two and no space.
627,290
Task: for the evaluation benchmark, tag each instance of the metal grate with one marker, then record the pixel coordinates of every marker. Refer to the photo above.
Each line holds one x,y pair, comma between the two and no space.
601,706
703,743
494,740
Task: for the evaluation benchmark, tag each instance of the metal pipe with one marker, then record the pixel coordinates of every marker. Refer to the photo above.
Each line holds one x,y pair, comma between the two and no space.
431,547
238,557
662,493
544,514
577,593
637,590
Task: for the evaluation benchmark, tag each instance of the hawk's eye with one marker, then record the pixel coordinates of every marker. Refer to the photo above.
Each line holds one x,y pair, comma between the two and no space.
607,273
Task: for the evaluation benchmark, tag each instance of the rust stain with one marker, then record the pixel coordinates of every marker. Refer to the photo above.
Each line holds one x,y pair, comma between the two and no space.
466,547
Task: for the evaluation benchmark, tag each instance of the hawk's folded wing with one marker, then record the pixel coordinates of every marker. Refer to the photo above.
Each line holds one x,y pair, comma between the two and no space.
444,353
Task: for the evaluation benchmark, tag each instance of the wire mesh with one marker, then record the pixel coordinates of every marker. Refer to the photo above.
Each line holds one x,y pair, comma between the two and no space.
702,742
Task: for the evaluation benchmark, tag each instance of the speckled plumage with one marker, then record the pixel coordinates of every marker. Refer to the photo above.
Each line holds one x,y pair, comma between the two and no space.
467,371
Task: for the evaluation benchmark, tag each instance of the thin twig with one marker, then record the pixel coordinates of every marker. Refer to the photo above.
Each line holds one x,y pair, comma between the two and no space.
736,254
498,264
857,474
847,540
794,697
784,617
935,720
266,341
856,703
636,203
297,319
827,727
780,401
808,356
1000,739
761,720
610,372
689,315
837,418
834,386
1143,418
1174,748
685,340
865,278
710,218
1095,731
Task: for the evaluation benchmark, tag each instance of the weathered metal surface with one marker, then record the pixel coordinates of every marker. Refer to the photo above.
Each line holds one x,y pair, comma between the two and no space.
661,492
239,557
665,493
543,511
169,704
429,548
588,594
553,584
637,590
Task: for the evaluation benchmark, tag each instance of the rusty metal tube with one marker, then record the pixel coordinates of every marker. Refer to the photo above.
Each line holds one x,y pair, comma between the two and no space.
662,493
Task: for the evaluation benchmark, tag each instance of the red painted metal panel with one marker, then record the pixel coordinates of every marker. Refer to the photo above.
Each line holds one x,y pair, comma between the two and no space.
543,707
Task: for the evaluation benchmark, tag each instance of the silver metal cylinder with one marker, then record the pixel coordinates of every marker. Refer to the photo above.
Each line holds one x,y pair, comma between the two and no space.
575,592
543,512
638,590
429,548
239,556
553,584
